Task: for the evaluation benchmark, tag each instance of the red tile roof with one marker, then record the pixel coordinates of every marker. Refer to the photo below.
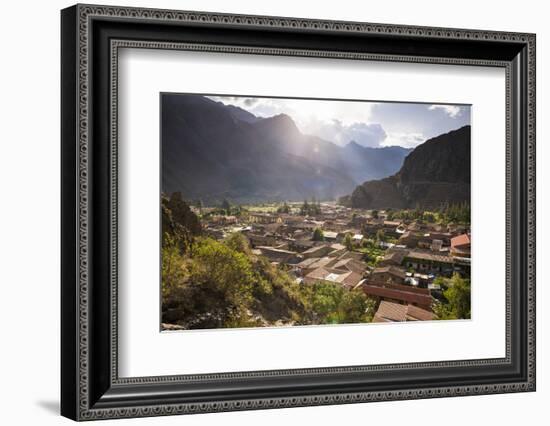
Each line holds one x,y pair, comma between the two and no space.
390,269
395,257
348,279
460,240
414,313
389,311
399,287
428,256
422,300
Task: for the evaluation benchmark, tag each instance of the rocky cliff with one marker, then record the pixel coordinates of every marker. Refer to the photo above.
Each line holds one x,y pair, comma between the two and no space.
435,172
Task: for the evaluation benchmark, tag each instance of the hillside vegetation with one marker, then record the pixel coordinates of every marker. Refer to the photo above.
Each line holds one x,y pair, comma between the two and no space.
215,284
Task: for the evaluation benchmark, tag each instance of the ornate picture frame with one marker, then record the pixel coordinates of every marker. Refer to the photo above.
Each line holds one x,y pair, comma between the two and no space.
91,37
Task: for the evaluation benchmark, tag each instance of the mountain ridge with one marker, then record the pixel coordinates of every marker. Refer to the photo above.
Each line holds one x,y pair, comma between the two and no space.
435,172
212,151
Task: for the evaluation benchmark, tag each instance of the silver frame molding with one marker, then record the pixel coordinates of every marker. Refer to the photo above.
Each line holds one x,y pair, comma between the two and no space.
91,388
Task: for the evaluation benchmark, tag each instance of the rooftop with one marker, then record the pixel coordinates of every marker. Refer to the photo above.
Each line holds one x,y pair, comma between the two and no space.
350,264
394,270
337,246
346,278
395,223
323,261
395,256
391,312
275,250
315,249
429,255
394,293
460,240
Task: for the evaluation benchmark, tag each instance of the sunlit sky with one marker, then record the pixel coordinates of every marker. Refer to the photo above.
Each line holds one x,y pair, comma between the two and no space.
372,124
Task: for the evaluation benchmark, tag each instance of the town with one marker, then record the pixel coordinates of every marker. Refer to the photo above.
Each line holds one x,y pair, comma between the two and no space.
398,258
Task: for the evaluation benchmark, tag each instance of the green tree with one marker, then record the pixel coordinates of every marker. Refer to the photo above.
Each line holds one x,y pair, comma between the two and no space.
223,280
370,310
238,242
179,221
458,299
353,306
304,210
312,208
226,207
418,212
442,311
317,207
459,294
285,208
374,214
380,235
326,300
455,213
200,205
332,304
181,213
441,281
278,296
428,217
177,295
173,271
348,242
318,235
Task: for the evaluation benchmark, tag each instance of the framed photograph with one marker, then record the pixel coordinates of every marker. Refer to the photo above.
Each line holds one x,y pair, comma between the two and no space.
263,212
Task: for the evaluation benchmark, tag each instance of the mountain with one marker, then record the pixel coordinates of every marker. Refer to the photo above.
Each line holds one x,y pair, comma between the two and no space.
435,172
209,154
359,162
241,114
212,151
366,163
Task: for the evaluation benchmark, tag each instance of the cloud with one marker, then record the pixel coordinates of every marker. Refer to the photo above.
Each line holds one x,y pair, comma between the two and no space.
340,133
366,134
250,101
303,110
406,122
367,123
406,140
452,111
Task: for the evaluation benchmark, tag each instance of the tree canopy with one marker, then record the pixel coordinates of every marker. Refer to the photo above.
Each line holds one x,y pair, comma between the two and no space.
457,302
318,235
348,242
226,206
284,208
310,209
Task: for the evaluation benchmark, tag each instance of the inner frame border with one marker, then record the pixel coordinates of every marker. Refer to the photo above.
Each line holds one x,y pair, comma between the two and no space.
117,44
